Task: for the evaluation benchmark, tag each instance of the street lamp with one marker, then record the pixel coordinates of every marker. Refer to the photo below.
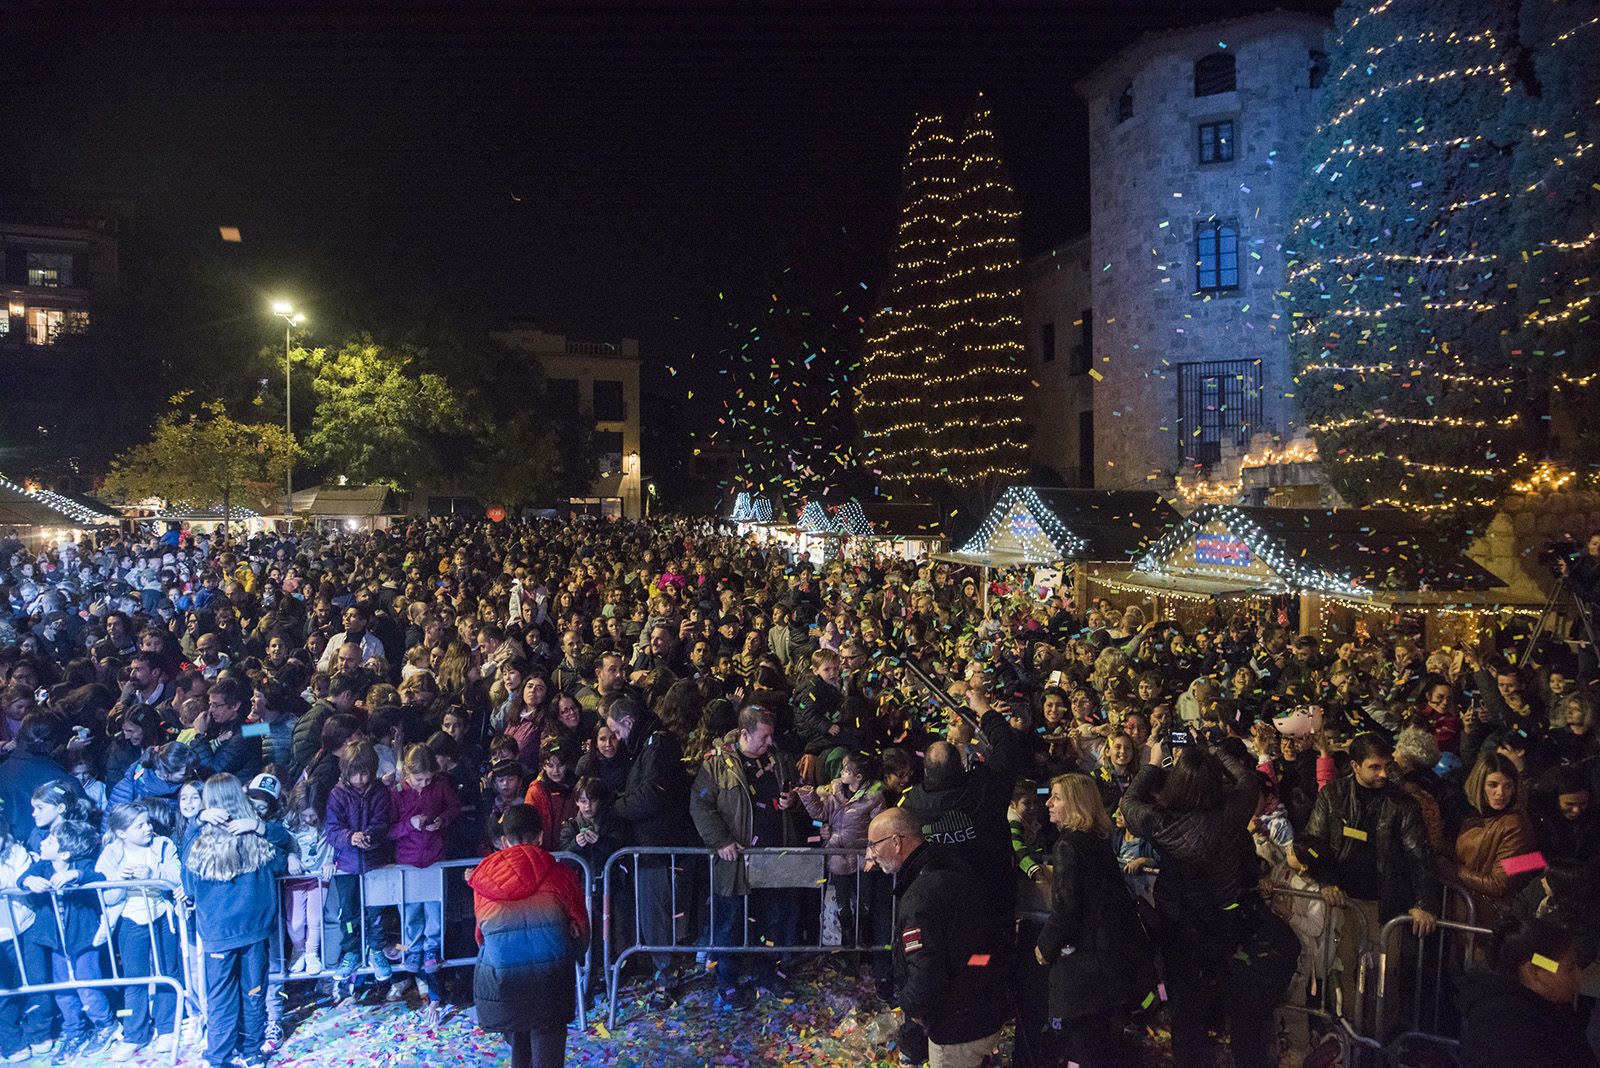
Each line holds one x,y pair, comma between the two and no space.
291,319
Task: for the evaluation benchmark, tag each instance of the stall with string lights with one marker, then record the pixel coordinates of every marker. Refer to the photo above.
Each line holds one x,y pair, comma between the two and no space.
1081,532
37,520
1326,568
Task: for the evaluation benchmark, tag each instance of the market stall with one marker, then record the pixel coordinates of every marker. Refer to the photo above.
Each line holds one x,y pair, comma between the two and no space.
36,522
1089,533
1326,568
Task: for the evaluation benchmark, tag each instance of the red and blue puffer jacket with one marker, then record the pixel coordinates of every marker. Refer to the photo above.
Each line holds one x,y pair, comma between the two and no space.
532,925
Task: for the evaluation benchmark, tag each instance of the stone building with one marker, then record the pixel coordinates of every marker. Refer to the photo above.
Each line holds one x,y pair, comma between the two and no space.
1160,341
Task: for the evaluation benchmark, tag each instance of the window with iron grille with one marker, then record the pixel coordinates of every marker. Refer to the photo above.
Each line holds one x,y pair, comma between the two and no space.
1218,401
1216,141
1216,257
1214,74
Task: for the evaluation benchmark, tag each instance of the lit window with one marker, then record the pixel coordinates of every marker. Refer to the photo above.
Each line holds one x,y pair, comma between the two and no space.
1216,248
1216,141
1214,74
49,269
47,324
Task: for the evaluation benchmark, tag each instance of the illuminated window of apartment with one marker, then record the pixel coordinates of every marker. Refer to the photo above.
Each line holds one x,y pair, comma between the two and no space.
46,324
50,269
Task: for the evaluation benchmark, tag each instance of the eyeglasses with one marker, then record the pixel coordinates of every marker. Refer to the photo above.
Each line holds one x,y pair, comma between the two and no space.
872,846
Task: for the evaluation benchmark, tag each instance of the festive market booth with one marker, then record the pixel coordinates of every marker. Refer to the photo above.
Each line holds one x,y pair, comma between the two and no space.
36,522
357,507
209,520
1326,568
749,511
908,530
1093,533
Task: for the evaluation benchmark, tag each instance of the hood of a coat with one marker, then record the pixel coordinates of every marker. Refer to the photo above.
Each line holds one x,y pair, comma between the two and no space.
513,874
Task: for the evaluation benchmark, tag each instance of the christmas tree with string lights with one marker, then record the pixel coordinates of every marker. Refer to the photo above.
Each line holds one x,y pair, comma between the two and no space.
891,408
976,375
1555,274
1399,261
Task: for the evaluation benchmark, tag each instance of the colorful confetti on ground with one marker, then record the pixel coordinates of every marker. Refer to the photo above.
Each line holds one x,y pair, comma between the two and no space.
829,1023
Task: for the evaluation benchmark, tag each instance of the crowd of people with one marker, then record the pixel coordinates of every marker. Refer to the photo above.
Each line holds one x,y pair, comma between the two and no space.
1070,820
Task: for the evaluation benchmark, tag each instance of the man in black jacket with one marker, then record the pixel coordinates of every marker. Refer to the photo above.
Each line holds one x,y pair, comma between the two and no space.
654,808
1381,862
964,809
946,967
343,693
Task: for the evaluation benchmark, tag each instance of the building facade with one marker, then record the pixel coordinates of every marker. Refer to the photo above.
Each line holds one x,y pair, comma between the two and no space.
1195,139
57,254
600,379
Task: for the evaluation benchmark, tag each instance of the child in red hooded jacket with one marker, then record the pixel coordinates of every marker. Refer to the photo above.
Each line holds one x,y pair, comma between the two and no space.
532,927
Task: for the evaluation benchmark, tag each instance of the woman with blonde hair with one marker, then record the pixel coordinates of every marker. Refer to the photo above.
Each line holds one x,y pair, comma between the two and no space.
231,872
1100,960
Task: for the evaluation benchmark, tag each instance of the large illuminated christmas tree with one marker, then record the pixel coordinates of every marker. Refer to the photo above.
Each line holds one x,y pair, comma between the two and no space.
976,377
1408,253
892,408
940,406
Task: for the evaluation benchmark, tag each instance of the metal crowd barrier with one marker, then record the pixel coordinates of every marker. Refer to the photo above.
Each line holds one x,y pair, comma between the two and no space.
1323,973
154,892
1429,1024
398,874
615,957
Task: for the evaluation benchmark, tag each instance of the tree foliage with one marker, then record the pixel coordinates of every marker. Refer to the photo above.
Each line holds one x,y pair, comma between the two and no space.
205,458
375,420
1418,250
943,382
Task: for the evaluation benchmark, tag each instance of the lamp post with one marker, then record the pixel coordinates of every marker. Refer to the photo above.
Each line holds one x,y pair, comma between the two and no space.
291,318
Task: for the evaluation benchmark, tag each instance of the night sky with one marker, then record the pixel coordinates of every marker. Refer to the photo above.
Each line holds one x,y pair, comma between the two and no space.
601,170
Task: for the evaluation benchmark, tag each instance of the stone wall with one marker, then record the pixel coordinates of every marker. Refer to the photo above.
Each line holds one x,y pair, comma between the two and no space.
1524,526
1055,291
1148,195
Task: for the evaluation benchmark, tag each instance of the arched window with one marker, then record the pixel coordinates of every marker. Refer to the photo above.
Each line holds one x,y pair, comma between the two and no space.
1214,74
1125,104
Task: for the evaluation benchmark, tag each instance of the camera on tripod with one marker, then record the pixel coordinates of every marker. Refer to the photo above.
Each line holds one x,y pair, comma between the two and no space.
1560,551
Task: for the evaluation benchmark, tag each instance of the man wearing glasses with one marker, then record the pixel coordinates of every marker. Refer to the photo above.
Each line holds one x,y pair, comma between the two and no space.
946,974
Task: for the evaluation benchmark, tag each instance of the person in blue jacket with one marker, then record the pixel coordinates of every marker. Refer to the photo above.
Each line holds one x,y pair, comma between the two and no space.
231,872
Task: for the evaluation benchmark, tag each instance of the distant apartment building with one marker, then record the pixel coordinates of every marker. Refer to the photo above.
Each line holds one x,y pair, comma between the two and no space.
57,254
1159,340
600,379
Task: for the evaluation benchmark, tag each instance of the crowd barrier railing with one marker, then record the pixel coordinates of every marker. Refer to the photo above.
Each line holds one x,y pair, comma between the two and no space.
155,894
800,868
1324,973
1455,943
400,885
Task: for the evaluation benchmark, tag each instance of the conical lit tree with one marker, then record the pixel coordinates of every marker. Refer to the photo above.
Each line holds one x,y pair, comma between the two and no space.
891,408
976,376
1406,258
1555,275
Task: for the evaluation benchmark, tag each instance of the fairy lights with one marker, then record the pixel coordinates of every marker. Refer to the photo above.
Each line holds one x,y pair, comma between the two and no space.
943,381
1029,523
1442,258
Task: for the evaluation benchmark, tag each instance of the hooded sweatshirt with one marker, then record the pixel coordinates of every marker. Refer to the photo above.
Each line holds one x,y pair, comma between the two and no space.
532,925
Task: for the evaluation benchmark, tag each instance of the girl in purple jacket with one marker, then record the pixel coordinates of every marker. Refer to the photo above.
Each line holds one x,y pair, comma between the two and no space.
425,805
360,813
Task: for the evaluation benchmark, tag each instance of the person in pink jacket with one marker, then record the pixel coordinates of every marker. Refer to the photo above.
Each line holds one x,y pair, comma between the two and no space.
845,808
425,805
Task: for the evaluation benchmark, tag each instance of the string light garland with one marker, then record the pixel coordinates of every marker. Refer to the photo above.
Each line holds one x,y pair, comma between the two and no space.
1031,523
72,512
1441,256
943,387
